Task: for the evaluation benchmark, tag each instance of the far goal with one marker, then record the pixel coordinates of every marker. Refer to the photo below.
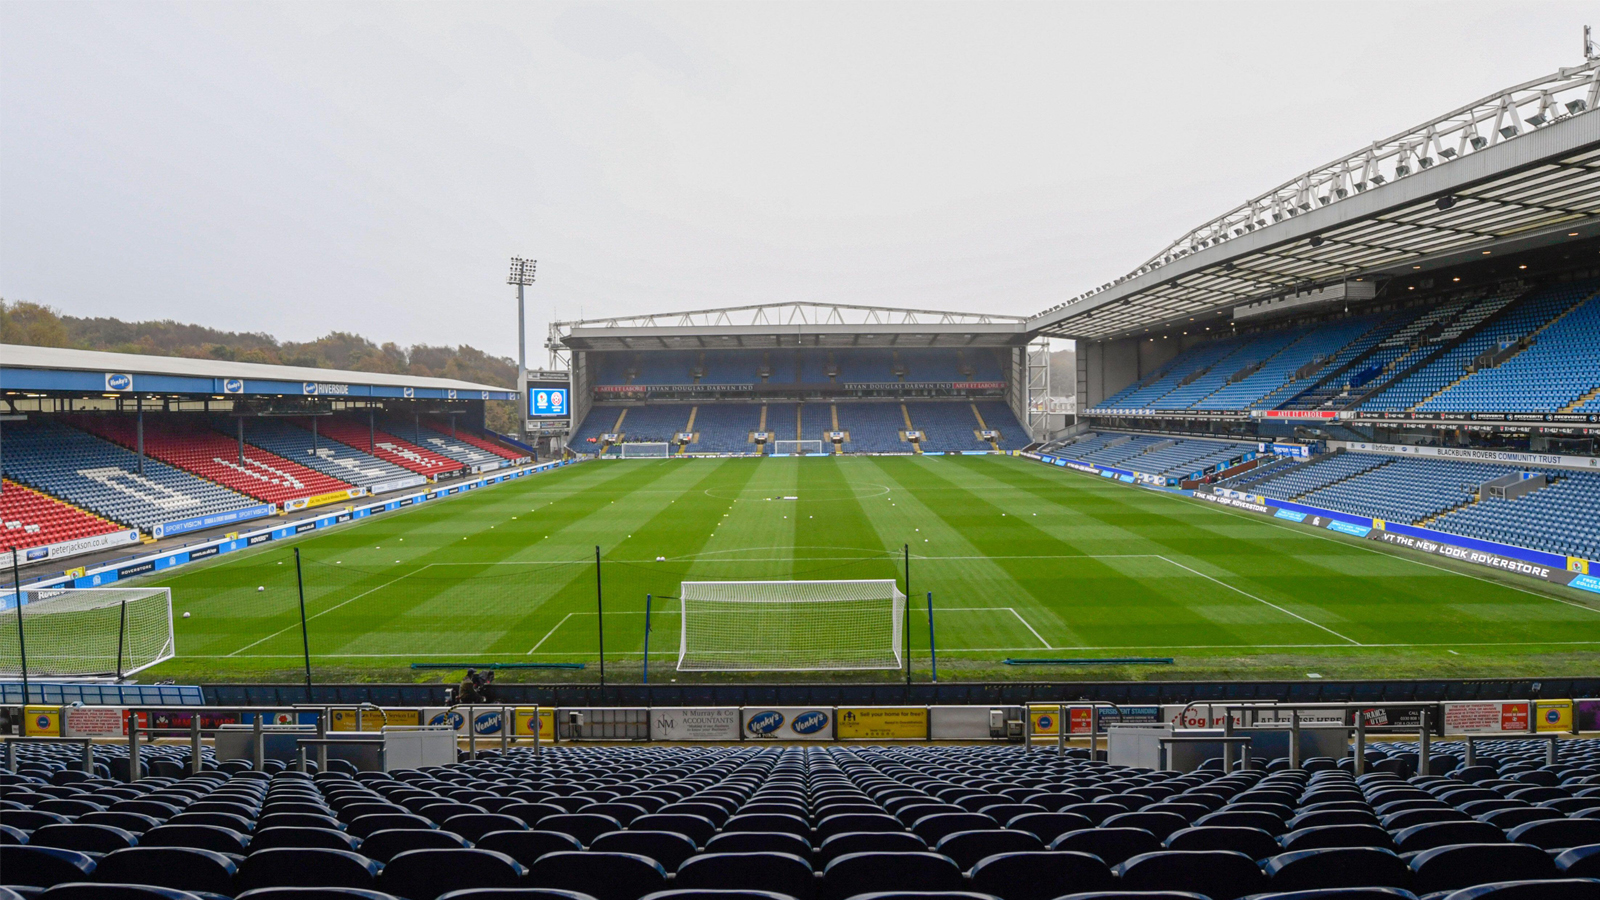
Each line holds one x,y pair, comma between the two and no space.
790,626
643,450
85,632
795,448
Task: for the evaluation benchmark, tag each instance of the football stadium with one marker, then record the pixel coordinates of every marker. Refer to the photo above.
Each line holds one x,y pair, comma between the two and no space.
1287,588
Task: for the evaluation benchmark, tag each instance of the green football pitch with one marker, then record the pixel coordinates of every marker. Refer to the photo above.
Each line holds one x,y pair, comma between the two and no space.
1023,561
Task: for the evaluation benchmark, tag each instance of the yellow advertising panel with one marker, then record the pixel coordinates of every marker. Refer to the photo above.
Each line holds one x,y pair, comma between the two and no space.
372,719
524,723
1553,715
1044,720
324,499
41,721
883,723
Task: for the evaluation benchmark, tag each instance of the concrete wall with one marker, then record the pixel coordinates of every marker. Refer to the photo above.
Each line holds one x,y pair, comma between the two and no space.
1106,367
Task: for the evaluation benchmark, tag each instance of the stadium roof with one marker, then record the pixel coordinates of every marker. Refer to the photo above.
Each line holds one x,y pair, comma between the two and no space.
25,368
774,325
1516,170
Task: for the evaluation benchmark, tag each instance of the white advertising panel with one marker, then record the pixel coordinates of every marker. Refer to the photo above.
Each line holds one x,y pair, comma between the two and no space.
695,724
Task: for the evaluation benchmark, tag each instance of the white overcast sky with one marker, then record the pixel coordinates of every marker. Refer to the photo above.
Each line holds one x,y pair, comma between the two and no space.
300,167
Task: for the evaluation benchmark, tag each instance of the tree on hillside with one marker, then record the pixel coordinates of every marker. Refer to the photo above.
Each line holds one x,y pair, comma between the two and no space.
36,325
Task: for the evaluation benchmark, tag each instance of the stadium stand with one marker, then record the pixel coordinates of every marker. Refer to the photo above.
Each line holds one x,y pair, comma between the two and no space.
946,426
1466,339
997,416
31,519
1248,354
873,427
620,823
1317,474
725,427
788,421
650,423
188,443
104,478
441,442
1561,366
1511,350
465,436
288,440
1404,490
385,446
1560,517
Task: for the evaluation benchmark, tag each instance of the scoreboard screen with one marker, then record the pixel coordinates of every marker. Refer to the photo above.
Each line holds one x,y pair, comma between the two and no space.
547,402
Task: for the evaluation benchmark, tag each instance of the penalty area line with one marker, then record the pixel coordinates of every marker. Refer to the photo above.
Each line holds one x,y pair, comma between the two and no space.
1030,628
1264,602
548,633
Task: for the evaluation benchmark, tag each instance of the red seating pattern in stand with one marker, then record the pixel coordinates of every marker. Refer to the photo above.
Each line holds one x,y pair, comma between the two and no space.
387,447
31,519
478,441
194,446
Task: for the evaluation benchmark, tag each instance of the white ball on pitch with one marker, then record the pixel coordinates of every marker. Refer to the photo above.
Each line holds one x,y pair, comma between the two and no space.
260,587
186,615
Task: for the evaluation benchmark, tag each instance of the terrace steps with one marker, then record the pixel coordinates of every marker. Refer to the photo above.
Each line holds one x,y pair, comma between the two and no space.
1581,400
1330,484
1527,341
1427,521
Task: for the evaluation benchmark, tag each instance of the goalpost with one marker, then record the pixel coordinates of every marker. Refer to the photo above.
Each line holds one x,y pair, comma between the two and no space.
790,626
85,632
641,450
795,448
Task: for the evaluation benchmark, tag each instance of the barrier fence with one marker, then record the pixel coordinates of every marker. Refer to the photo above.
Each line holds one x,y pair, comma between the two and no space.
1059,721
1554,568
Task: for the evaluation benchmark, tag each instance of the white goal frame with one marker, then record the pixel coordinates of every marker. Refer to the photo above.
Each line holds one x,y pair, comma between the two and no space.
798,448
639,448
86,633
790,626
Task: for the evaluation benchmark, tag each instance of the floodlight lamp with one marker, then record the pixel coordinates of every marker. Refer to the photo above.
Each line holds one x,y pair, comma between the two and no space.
1478,143
1401,170
1445,202
1576,106
1448,152
1510,131
1378,179
1536,119
1316,240
1341,192
1425,161
522,271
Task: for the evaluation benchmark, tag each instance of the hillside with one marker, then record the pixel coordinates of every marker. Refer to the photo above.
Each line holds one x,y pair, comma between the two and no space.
43,326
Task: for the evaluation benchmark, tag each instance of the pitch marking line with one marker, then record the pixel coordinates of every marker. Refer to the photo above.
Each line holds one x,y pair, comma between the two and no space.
1384,553
328,610
1119,647
548,633
1030,628
1264,602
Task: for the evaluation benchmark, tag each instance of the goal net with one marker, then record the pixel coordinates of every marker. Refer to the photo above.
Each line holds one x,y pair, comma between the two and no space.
790,626
641,450
795,448
85,632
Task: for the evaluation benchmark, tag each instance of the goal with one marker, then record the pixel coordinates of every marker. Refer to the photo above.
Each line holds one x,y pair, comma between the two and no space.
85,632
795,448
790,626
642,450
